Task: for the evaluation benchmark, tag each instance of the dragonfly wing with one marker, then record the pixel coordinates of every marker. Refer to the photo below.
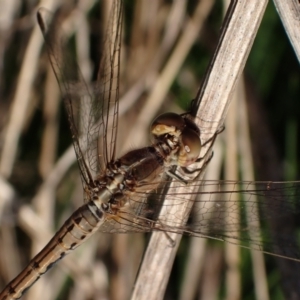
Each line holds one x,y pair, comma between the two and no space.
102,135
92,109
241,213
75,92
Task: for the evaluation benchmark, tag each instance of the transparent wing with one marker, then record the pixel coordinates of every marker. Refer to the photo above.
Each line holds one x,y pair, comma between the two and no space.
75,92
108,85
255,215
92,109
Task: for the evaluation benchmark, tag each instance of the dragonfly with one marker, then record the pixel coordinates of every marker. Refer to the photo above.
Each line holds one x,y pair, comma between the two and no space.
126,194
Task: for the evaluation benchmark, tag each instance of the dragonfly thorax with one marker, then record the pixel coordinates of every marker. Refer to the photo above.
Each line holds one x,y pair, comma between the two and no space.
102,193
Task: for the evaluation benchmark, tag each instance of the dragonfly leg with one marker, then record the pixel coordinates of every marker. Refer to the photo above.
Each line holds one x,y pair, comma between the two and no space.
161,228
199,170
213,138
187,171
176,176
210,141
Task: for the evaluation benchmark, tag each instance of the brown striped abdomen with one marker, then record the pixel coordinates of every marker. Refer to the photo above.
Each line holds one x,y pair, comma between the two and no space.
80,226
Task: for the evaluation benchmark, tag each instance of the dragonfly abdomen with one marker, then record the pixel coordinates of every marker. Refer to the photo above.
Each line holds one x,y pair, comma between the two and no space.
77,229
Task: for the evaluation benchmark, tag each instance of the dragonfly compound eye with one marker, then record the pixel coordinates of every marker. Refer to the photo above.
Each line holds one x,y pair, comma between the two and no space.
167,123
191,146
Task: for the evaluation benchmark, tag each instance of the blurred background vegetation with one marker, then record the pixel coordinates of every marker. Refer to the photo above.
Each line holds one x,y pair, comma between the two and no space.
39,176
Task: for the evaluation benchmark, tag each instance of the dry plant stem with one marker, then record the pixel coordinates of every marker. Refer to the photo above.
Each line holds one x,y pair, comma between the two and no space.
9,255
196,254
21,99
8,9
211,281
247,171
164,81
7,194
45,207
239,30
289,12
232,252
50,135
146,79
144,38
173,25
147,57
127,250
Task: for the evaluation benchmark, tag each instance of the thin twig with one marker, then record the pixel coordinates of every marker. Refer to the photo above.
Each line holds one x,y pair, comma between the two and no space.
237,37
22,99
259,271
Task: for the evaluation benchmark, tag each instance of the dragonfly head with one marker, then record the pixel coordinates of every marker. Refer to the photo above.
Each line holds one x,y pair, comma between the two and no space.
183,131
168,123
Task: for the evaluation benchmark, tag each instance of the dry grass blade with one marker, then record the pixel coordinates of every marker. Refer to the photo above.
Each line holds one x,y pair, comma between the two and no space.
237,37
21,100
260,276
232,252
196,255
167,76
289,12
